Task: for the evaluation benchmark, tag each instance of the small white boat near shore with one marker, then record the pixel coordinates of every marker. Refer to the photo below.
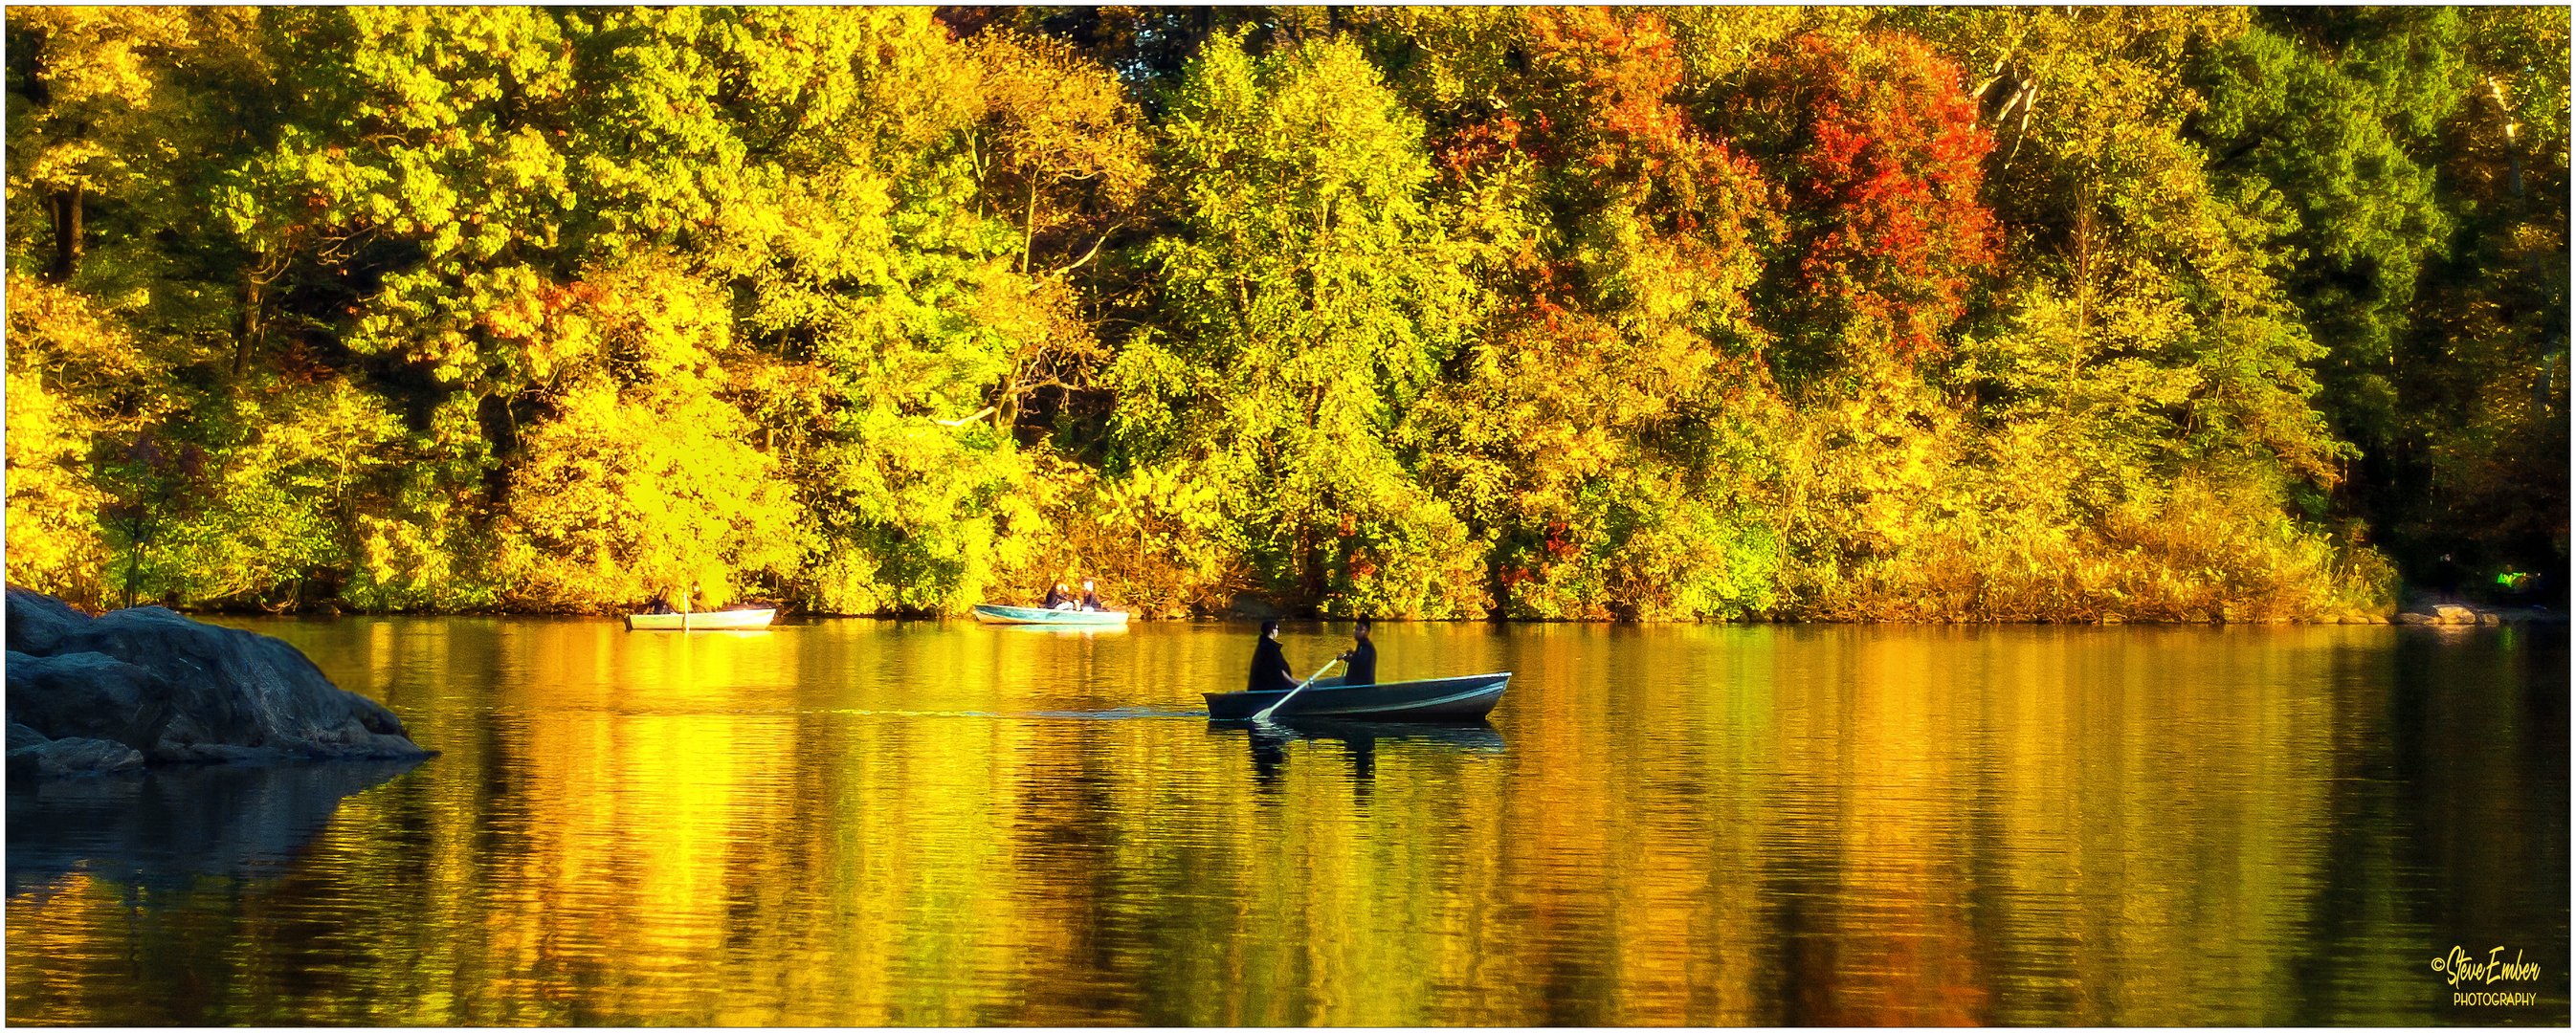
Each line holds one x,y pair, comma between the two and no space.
708,620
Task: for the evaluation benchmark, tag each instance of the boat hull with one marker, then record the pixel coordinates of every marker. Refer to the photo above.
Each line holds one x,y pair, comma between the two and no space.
1465,698
1051,618
711,620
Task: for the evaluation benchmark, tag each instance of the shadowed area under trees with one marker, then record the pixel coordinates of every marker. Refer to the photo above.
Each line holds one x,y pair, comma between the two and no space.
1551,313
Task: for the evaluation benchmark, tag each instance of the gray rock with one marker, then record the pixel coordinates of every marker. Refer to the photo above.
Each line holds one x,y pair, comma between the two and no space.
38,622
2450,614
88,696
2418,618
180,691
22,736
59,758
232,689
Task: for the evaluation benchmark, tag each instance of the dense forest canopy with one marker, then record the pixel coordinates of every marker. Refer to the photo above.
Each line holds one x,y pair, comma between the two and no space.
1833,313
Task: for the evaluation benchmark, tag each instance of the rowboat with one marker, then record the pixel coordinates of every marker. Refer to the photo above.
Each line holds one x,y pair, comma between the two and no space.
1050,618
704,620
1464,698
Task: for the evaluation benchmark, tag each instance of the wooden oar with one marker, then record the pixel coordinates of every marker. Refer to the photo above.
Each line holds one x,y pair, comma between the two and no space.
1265,713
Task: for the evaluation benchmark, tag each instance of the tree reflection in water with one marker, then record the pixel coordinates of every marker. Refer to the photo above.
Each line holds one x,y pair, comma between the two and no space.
882,823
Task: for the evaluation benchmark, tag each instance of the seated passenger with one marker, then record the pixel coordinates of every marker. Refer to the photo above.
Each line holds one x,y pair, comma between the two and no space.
1362,658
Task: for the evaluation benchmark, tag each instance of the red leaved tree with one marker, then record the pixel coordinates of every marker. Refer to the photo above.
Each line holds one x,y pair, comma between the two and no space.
1879,149
1601,93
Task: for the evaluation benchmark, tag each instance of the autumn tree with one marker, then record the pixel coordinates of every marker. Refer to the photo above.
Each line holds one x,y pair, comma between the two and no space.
1058,130
1312,297
89,107
1545,312
1879,149
641,481
1594,430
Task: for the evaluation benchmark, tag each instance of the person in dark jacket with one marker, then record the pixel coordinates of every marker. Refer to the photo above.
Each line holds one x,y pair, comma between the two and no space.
1090,596
1270,666
1362,658
1057,596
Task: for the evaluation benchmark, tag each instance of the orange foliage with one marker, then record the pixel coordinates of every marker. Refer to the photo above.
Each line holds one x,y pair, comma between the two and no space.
1885,181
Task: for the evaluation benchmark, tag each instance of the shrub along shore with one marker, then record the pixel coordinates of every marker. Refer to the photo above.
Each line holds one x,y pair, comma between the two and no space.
1922,314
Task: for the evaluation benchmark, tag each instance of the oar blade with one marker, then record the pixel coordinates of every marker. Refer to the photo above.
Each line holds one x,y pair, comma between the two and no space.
1264,715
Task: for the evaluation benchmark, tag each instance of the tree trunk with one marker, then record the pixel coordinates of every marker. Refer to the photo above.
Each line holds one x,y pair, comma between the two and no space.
247,329
1029,227
65,207
1310,561
2512,145
1006,409
2084,222
138,539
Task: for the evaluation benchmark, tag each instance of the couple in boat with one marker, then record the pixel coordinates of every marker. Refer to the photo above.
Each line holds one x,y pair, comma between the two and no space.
1358,696
1061,598
662,604
1270,667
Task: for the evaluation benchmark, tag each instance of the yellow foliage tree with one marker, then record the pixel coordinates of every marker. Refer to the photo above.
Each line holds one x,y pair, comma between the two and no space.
75,380
644,481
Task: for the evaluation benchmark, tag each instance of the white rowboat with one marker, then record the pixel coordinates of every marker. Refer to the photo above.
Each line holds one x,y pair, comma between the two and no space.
710,620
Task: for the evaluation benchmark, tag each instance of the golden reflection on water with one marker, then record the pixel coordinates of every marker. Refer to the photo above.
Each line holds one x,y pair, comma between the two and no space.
863,823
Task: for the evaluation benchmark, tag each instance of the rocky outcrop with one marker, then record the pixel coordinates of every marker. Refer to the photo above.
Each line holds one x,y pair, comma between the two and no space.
38,623
88,695
2454,615
165,689
55,758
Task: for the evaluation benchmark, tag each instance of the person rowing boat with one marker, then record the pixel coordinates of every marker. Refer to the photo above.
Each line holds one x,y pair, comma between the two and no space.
1270,671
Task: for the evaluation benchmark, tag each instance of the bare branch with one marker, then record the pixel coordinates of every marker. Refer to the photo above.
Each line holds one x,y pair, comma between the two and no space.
1087,256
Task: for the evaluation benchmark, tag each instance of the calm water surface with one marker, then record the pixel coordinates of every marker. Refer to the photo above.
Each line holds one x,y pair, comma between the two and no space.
860,822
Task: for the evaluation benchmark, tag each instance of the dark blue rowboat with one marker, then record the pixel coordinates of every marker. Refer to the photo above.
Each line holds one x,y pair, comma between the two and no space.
1465,698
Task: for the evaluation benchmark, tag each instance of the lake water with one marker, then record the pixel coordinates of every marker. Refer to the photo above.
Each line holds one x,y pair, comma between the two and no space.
863,822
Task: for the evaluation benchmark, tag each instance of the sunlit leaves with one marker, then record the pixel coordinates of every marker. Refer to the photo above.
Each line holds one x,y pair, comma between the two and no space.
2331,136
623,498
640,481
1552,312
1060,133
1879,148
1312,296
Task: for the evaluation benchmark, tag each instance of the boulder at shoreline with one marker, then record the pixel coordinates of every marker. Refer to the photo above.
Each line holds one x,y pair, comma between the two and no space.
92,695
